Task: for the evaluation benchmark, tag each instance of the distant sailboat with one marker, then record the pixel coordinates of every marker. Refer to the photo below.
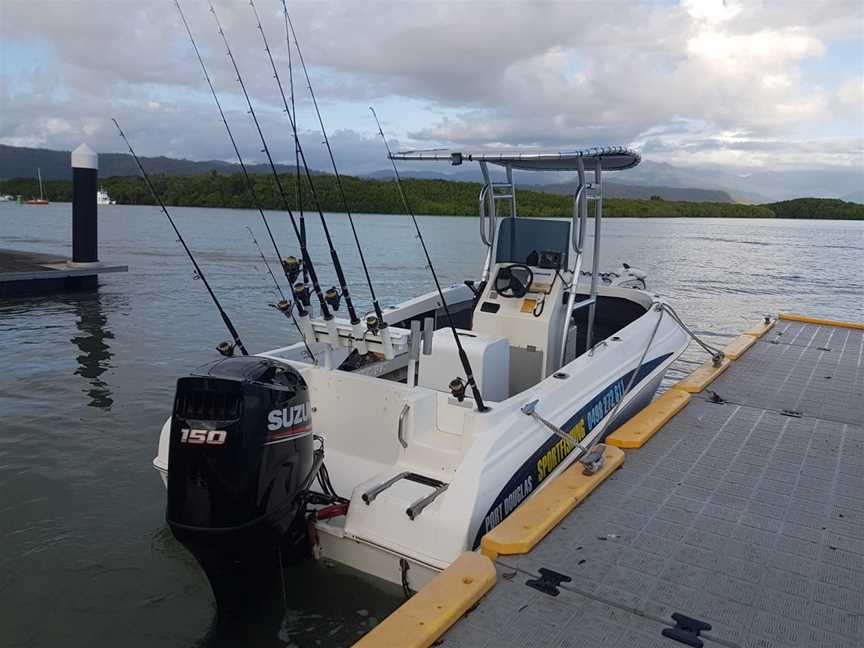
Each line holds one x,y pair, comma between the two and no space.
41,199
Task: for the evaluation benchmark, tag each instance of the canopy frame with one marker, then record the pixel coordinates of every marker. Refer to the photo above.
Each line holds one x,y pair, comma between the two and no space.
614,158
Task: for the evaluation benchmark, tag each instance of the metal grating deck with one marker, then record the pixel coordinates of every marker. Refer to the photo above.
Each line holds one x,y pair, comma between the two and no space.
748,515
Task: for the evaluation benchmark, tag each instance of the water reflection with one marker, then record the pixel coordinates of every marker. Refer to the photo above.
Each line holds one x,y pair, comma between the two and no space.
323,604
95,356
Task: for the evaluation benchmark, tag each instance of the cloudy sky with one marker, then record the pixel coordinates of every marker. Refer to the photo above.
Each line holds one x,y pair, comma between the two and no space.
692,82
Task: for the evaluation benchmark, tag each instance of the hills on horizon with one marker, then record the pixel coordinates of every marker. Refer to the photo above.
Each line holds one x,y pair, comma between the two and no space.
22,162
645,181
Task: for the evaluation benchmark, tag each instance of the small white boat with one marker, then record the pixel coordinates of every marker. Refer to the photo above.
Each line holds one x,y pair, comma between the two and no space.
102,198
421,472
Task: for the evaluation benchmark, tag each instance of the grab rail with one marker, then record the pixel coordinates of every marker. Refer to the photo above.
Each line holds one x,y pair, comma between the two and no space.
482,201
417,506
577,235
400,433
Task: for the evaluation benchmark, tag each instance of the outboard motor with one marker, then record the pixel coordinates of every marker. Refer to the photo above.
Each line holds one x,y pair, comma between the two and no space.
241,456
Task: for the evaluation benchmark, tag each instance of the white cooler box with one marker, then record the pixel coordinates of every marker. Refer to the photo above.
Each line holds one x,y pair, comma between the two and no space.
489,357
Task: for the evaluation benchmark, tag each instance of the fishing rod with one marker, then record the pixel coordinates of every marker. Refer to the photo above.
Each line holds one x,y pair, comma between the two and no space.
456,386
301,295
289,269
337,265
283,306
296,150
226,348
290,24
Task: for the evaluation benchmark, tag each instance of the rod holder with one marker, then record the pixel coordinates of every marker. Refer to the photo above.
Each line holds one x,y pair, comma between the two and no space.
428,332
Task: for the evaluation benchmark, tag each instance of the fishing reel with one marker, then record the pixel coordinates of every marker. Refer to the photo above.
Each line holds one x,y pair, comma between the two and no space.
373,324
301,293
284,306
292,266
226,349
332,297
457,388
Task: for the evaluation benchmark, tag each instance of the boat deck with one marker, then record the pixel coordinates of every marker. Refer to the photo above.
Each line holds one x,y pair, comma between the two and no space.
745,511
25,273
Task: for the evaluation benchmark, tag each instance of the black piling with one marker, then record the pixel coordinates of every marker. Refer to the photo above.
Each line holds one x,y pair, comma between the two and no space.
85,181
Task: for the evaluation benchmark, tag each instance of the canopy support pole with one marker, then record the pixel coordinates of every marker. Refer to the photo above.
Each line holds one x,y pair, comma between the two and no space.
578,225
595,272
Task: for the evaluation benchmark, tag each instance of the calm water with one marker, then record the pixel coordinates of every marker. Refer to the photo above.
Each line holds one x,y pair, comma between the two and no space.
87,380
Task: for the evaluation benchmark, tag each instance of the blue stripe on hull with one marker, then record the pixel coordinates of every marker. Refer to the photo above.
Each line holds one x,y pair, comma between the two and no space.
554,450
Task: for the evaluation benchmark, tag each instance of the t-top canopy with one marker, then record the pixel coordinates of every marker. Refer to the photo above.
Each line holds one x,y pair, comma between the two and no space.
611,158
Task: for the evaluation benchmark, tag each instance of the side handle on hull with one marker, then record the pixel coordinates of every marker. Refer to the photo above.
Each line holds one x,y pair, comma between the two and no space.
400,433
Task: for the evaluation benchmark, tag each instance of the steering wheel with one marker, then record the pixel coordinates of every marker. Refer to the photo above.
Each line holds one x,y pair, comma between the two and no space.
514,280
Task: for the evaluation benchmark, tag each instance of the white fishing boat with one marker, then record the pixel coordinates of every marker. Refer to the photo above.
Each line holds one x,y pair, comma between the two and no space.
412,468
102,198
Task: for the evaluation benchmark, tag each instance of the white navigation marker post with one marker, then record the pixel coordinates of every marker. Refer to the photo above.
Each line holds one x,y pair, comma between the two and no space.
85,181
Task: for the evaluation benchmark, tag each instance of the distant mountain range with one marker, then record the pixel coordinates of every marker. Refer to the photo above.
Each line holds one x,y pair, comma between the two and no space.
650,178
643,192
610,189
21,162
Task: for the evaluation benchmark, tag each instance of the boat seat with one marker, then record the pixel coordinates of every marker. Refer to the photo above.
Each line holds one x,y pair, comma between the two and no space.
489,356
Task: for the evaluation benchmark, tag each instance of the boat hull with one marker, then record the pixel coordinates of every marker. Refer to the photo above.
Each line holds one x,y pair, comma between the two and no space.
490,462
518,460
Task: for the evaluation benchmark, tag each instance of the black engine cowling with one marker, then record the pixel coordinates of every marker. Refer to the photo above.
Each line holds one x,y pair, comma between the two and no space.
241,452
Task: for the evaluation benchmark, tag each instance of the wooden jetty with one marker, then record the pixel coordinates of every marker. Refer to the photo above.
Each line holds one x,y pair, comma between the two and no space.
736,519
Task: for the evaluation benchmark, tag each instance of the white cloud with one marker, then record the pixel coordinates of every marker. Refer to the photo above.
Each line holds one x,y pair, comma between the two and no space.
510,74
851,93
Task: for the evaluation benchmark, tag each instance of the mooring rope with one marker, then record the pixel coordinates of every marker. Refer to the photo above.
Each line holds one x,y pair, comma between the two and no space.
632,380
716,354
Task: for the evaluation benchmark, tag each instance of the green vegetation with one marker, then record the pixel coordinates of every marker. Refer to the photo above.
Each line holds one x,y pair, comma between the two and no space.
438,197
818,208
55,190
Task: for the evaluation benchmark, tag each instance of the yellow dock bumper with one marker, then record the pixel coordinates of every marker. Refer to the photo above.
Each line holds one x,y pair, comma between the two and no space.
736,348
702,377
636,432
536,517
792,317
761,329
423,618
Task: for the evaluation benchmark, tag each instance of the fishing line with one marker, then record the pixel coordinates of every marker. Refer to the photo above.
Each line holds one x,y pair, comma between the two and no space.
290,24
296,150
233,331
307,260
463,357
337,265
249,184
284,306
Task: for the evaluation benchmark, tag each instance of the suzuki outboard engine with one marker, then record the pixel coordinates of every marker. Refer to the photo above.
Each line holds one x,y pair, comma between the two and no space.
241,456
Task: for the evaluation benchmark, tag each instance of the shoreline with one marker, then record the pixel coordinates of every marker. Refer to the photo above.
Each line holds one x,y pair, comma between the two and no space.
429,197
